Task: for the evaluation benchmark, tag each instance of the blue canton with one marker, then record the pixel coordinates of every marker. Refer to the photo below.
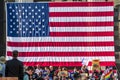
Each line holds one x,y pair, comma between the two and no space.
27,19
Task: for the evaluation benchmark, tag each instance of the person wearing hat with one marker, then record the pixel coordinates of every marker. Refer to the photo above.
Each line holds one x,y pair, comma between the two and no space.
2,66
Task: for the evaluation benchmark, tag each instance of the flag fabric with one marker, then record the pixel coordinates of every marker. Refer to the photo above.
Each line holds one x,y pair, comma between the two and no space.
61,33
85,61
108,75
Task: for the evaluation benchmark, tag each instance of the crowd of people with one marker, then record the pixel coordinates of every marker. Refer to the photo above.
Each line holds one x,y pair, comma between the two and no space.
62,73
15,68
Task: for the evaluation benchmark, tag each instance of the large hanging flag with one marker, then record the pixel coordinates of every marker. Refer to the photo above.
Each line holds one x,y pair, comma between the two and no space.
61,33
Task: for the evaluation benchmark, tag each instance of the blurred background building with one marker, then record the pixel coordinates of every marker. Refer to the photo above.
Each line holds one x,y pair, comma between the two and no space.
117,31
116,20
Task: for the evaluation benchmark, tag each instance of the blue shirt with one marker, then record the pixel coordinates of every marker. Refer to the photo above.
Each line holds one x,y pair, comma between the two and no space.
72,75
2,69
45,73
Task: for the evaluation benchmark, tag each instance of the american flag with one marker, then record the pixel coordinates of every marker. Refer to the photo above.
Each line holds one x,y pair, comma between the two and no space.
61,33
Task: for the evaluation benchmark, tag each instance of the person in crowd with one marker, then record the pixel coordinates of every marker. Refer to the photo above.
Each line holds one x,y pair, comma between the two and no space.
73,72
96,75
25,68
77,76
64,73
14,67
85,70
56,75
40,78
35,67
45,72
28,73
40,74
51,74
59,72
34,75
2,66
108,74
39,70
69,78
56,78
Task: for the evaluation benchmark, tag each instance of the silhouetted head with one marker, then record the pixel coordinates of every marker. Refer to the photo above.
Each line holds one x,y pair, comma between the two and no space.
15,54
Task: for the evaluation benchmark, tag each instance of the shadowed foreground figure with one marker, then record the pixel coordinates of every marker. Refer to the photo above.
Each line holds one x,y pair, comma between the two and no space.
2,66
14,67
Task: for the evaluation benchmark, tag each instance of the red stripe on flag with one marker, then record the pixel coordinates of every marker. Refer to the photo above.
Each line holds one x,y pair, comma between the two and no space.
68,64
80,4
55,44
80,24
81,14
58,34
86,54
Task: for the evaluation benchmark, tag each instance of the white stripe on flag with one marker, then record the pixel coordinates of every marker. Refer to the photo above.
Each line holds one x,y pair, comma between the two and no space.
62,59
61,39
81,29
81,19
61,49
81,9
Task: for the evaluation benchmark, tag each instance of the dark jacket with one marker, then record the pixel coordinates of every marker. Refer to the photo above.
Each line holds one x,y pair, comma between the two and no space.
14,68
